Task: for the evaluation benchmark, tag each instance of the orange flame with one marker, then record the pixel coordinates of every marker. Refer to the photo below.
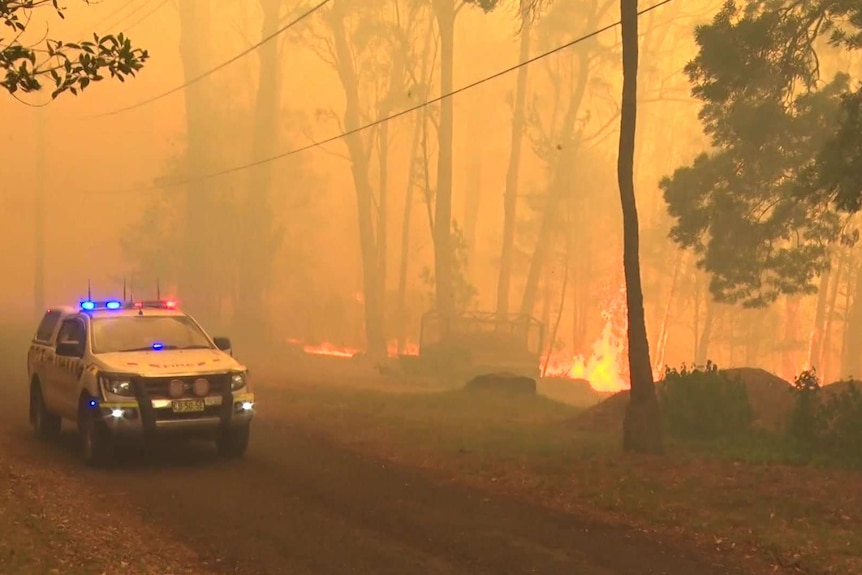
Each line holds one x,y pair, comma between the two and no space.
331,350
603,369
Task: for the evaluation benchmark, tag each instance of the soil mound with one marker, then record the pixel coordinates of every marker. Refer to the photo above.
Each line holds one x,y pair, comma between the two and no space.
770,397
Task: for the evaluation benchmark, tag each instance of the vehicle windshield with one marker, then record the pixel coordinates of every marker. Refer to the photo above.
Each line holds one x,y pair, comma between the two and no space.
141,333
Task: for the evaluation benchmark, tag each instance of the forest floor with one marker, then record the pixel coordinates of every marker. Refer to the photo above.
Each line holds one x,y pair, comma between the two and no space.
742,501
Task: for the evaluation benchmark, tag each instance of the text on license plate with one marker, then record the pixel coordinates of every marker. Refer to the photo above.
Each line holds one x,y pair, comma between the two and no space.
188,406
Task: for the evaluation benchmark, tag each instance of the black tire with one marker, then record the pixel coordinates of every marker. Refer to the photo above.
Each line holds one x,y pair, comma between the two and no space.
95,441
46,425
233,442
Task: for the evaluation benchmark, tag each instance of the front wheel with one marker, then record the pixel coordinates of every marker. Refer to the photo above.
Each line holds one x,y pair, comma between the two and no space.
95,441
232,443
45,424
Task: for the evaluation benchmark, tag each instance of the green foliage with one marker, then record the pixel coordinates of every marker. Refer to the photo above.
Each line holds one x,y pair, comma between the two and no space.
838,173
704,404
463,291
753,208
827,425
71,67
803,426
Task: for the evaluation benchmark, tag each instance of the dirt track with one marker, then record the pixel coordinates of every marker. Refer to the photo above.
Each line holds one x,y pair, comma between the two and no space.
298,504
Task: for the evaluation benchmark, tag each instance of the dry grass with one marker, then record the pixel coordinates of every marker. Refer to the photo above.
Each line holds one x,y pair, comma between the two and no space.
775,518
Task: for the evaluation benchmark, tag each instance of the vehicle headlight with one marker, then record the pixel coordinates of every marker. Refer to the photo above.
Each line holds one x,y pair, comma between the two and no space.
238,380
118,385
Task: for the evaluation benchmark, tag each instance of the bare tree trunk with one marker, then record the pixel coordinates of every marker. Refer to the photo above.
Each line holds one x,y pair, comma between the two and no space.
696,312
443,253
556,191
642,427
702,355
472,209
825,359
852,280
383,209
661,341
816,343
39,216
261,241
789,359
853,354
510,199
196,275
405,234
374,316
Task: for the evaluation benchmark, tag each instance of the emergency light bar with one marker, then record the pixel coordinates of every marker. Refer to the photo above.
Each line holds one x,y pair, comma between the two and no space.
113,304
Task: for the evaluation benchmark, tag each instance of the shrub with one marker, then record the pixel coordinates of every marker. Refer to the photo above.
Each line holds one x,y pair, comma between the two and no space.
704,404
805,426
841,415
828,427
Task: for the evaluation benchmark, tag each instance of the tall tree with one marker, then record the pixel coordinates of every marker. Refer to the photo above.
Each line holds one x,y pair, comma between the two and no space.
560,143
642,430
197,274
446,12
759,209
260,238
510,198
363,43
39,215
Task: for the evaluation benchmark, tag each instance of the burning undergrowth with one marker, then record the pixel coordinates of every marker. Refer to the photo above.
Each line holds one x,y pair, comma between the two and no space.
604,368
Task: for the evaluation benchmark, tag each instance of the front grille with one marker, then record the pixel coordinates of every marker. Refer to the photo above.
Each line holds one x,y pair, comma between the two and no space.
157,387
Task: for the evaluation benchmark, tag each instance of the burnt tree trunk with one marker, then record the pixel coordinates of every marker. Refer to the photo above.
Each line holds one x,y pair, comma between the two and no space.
642,428
556,192
374,333
405,234
853,342
825,360
196,272
816,344
39,217
260,239
510,197
705,336
443,254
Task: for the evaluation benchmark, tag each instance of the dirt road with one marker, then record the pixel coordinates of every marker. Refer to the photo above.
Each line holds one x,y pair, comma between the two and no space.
300,505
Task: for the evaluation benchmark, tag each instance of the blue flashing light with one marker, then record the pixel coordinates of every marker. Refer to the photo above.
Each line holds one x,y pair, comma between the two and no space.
93,403
113,304
158,346
88,305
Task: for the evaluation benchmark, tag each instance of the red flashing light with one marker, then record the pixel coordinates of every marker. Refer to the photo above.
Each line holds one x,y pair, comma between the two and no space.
170,304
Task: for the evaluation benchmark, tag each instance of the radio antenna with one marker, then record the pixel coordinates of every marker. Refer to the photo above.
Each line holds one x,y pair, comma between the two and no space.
89,292
124,290
158,290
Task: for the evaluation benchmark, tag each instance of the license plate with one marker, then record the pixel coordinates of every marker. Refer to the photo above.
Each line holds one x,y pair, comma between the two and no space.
188,406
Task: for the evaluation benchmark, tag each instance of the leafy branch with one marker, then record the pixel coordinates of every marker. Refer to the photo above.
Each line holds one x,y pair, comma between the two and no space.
70,66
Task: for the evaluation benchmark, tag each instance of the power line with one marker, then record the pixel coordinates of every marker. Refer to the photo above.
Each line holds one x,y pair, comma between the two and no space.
108,17
379,121
147,15
219,67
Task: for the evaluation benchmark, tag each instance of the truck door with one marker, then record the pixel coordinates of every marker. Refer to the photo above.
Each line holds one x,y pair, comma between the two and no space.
69,364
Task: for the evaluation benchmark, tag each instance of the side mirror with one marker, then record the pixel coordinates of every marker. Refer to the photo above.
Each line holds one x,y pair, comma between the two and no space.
223,343
69,349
